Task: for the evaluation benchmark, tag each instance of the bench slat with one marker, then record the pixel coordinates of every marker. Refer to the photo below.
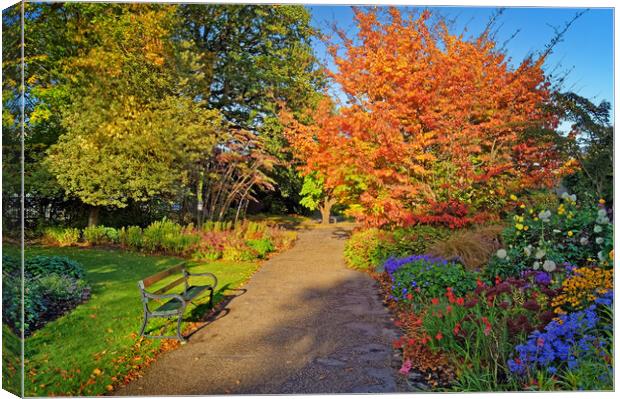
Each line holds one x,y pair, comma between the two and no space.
170,285
163,274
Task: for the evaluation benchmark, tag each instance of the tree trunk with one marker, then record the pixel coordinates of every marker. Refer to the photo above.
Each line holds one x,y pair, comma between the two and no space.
326,209
93,216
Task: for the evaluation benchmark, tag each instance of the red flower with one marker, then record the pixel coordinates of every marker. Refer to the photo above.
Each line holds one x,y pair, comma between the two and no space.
397,344
439,336
457,328
411,341
409,296
479,283
487,326
435,301
448,309
460,301
497,280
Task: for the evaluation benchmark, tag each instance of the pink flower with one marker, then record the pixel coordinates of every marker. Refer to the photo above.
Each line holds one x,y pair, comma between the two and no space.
405,367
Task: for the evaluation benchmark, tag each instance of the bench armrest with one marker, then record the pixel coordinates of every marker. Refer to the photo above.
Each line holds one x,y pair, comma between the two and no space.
204,275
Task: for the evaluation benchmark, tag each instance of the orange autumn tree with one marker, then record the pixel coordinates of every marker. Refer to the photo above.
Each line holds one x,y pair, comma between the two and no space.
435,129
318,146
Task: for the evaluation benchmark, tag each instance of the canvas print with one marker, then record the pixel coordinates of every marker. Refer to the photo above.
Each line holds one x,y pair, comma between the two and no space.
212,199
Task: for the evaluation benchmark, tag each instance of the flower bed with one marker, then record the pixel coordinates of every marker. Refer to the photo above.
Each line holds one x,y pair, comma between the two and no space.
214,240
526,321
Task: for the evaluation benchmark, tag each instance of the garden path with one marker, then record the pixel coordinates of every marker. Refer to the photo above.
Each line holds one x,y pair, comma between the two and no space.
306,324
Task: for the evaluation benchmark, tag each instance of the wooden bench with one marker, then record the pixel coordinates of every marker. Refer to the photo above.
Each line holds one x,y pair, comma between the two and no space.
176,304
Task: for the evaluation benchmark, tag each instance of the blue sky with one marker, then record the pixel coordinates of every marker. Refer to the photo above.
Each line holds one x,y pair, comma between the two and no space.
587,48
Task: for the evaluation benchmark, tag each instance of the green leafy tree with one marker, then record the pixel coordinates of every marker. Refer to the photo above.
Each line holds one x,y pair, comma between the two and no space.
134,129
590,142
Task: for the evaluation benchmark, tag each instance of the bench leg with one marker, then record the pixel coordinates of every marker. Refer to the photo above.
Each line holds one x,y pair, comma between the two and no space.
179,329
146,319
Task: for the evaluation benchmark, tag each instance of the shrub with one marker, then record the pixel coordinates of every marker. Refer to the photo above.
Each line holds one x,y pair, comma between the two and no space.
543,238
38,266
100,235
472,248
61,236
360,248
208,255
417,279
131,237
370,248
262,246
168,237
238,253
53,286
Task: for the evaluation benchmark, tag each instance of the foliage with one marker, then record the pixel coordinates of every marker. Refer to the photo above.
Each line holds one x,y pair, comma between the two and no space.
582,287
53,285
423,277
98,235
472,248
360,248
590,142
61,236
262,246
370,248
168,237
540,238
131,237
405,138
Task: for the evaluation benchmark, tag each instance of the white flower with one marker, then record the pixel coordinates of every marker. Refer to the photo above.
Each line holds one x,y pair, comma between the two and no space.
602,213
598,229
528,250
536,265
549,265
573,197
600,255
501,253
544,215
602,220
564,195
599,240
583,241
540,253
557,231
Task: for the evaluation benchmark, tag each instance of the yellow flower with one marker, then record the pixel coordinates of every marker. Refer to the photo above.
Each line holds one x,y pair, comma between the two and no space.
601,201
531,211
570,233
513,197
535,219
519,226
522,206
526,227
611,254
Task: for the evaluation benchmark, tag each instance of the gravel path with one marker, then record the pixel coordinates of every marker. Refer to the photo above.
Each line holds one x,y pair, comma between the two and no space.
305,325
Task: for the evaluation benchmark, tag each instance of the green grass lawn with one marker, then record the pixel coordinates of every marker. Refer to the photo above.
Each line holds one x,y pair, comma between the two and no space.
95,345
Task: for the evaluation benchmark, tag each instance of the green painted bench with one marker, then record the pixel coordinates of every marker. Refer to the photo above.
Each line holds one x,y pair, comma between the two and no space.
176,303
